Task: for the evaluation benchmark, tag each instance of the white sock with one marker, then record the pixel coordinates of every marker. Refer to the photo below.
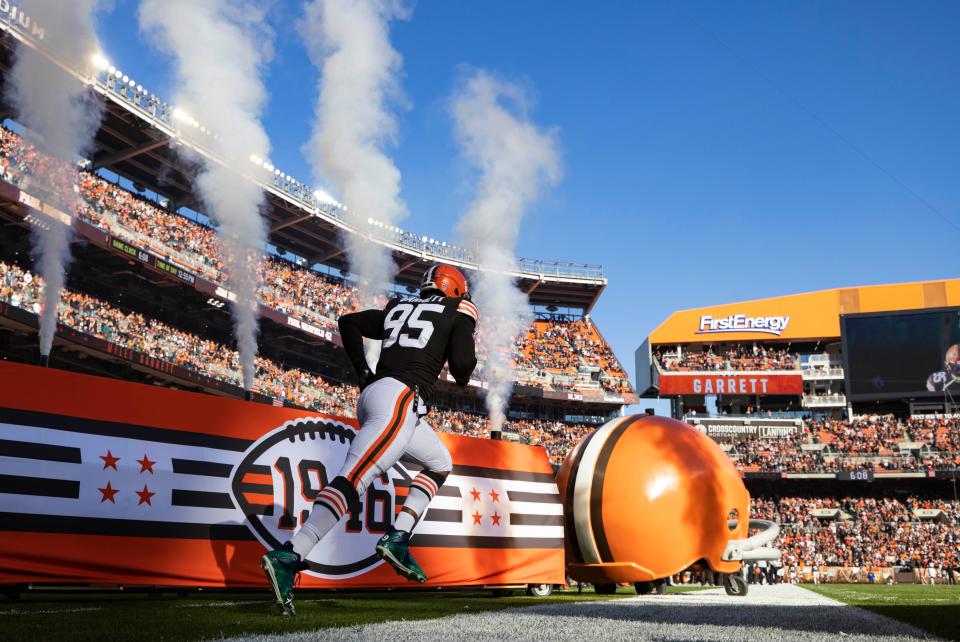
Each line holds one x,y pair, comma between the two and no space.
319,523
413,507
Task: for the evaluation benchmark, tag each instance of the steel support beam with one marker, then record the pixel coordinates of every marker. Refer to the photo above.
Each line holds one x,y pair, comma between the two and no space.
130,152
299,219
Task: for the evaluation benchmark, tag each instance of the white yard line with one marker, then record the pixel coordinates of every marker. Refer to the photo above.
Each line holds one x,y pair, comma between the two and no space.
198,605
767,613
49,611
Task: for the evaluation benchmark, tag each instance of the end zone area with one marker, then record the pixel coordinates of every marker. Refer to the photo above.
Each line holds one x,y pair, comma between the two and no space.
206,615
780,612
854,612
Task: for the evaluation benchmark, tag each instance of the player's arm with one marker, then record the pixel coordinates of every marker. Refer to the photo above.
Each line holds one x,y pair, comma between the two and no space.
461,352
353,328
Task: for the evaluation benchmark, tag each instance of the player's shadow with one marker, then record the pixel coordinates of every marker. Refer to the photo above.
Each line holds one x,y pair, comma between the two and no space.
228,544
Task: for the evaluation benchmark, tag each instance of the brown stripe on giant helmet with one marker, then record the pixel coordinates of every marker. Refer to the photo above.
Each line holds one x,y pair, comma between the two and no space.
582,504
596,489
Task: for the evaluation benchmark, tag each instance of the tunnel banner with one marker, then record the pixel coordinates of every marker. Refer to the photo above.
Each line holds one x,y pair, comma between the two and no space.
105,481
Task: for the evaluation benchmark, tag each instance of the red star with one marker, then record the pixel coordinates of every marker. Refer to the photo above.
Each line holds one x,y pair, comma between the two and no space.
145,495
476,517
108,493
109,461
495,518
146,464
495,496
476,494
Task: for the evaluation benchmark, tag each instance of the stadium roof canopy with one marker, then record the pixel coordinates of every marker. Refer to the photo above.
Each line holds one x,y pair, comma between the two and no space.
139,137
811,316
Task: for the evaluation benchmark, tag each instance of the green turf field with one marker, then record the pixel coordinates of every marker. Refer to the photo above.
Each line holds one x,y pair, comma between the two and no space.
200,616
933,608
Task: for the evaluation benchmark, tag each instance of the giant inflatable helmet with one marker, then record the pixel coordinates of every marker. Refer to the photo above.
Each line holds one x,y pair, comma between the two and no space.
646,497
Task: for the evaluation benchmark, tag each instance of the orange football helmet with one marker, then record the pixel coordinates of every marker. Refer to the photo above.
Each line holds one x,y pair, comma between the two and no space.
446,279
646,497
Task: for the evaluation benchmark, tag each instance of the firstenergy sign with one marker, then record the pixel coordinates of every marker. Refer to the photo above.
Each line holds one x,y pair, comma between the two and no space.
742,323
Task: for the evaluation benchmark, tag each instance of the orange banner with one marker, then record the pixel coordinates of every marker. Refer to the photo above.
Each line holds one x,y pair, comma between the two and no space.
107,481
723,383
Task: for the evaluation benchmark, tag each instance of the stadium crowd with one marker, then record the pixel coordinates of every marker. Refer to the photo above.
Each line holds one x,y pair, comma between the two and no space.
20,288
865,532
727,357
570,349
556,353
867,443
150,337
557,437
559,349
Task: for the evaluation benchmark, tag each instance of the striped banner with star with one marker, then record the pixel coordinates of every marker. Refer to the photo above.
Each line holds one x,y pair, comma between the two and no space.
106,481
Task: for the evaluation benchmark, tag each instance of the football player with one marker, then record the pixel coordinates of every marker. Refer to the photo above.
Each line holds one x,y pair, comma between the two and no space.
419,334
942,380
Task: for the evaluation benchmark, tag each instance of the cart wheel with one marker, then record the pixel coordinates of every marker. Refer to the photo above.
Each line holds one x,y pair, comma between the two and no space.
734,584
605,589
540,590
643,588
660,586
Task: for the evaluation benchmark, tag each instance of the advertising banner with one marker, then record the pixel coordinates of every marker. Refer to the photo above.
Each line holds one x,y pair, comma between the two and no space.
729,383
809,316
105,481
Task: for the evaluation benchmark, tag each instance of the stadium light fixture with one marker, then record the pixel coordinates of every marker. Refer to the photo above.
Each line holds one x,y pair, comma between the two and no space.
111,70
117,74
323,197
101,63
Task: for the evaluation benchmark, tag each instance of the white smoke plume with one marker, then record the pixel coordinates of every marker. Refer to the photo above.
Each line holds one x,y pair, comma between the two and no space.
221,49
61,115
349,43
516,160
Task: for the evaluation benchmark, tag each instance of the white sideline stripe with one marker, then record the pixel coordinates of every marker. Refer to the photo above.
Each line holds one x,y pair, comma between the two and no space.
197,605
782,612
49,611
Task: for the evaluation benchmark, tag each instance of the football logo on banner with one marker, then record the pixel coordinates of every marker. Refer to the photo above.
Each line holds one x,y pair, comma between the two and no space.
279,477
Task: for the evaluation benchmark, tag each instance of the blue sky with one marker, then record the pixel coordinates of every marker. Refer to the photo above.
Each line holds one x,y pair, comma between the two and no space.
698,169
